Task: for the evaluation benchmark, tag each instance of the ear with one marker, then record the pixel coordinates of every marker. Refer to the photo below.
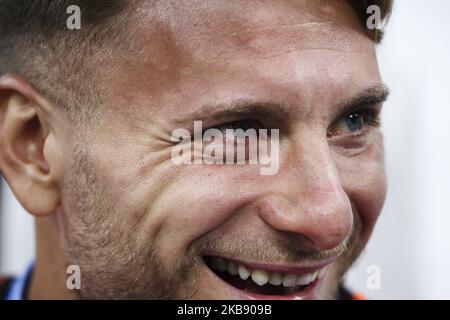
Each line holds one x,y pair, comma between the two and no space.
24,136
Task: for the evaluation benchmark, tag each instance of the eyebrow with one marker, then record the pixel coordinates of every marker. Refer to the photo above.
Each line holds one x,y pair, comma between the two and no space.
277,113
371,96
243,108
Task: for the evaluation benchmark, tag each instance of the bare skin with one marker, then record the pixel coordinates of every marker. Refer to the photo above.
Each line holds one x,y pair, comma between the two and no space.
108,198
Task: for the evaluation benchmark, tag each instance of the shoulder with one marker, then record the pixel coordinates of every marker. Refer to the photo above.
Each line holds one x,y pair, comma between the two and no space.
5,283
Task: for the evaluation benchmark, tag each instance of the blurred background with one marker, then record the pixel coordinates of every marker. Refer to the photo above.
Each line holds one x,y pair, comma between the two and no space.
410,246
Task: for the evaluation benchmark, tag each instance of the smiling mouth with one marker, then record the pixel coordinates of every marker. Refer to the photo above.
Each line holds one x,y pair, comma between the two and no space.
262,281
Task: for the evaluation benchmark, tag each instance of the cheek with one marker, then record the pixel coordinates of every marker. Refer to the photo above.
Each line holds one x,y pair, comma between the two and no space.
165,206
364,180
194,205
170,207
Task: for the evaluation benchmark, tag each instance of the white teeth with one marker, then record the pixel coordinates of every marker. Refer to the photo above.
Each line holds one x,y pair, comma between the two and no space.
315,274
243,272
275,279
231,268
307,278
304,280
322,273
260,277
289,280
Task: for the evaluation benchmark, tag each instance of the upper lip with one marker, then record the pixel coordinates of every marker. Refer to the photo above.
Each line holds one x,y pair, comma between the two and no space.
284,268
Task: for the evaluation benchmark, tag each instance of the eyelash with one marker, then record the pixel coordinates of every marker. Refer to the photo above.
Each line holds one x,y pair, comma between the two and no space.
371,117
370,114
240,124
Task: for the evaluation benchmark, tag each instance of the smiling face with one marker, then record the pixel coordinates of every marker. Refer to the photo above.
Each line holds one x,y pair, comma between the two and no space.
140,226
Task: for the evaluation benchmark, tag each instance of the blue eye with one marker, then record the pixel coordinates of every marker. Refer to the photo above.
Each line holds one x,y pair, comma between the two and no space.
354,121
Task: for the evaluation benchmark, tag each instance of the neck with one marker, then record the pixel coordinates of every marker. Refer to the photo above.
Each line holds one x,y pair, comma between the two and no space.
49,277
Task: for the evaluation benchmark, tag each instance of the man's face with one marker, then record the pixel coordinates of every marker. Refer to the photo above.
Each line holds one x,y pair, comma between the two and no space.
140,226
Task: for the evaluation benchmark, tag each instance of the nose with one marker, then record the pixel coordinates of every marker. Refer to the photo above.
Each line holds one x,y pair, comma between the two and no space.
310,202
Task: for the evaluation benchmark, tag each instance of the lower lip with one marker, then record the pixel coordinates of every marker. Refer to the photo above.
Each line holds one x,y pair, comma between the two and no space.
309,293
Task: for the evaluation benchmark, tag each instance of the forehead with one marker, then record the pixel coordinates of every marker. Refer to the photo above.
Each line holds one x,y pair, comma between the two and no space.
224,29
245,48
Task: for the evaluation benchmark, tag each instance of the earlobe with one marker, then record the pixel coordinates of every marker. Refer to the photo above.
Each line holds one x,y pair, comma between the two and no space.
24,134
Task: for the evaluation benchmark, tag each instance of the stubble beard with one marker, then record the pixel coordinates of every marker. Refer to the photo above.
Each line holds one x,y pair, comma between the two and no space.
114,266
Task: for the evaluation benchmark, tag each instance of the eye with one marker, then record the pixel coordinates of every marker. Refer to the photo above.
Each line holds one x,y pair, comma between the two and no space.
355,122
239,127
243,136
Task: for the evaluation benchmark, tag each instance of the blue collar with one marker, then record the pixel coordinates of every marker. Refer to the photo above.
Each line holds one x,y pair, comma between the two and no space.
17,289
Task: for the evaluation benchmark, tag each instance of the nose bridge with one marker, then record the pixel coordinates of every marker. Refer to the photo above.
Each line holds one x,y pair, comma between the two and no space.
313,168
312,202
